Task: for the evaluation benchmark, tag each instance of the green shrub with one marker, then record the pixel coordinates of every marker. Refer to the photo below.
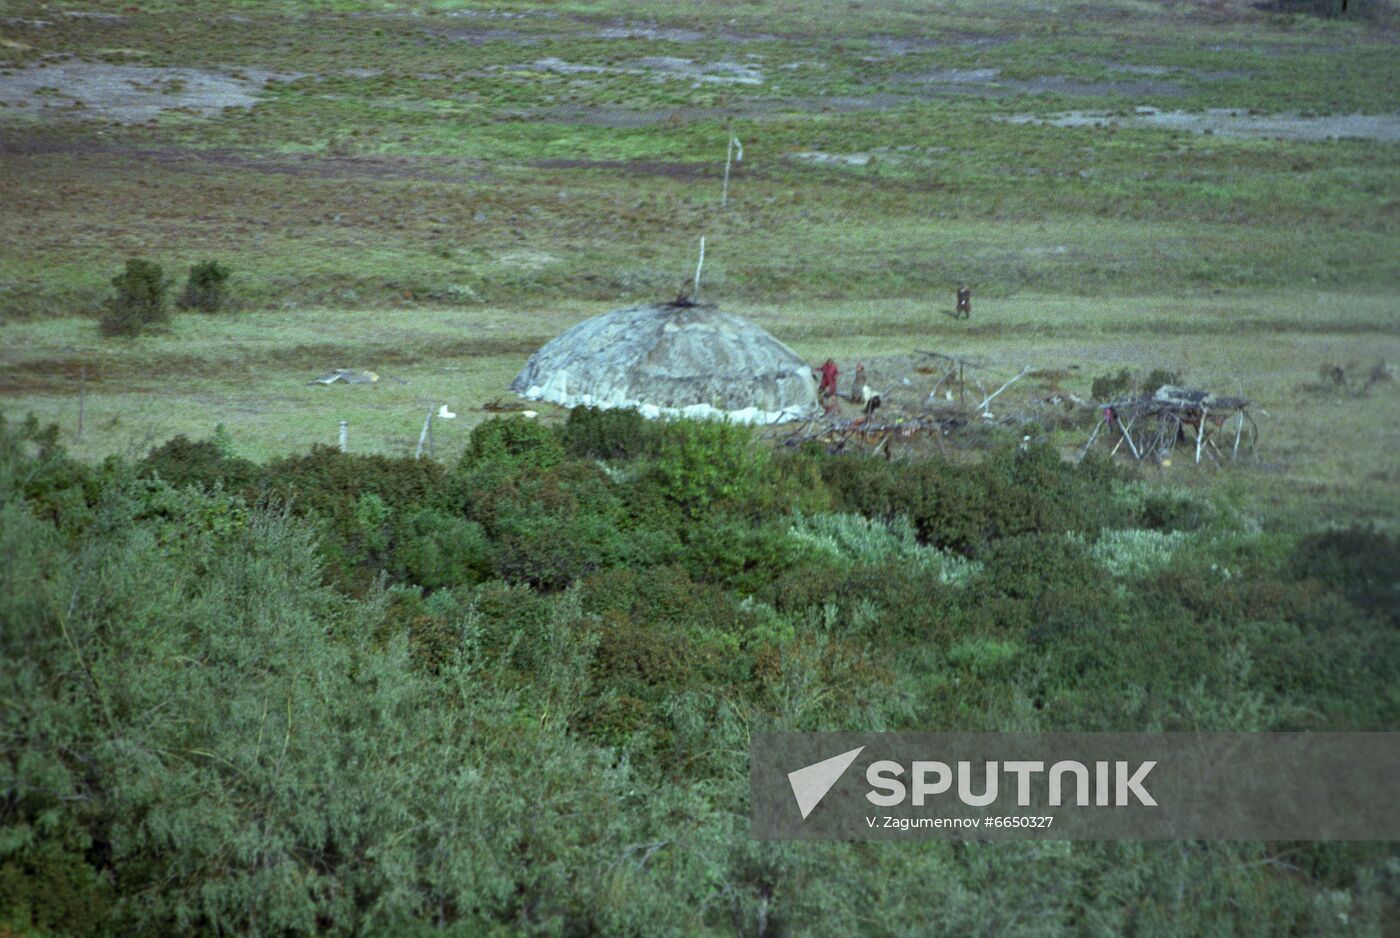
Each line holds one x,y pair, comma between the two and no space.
1156,378
517,439
618,434
436,550
554,526
857,539
1030,565
943,501
206,288
47,887
984,657
139,301
1108,387
897,601
1030,489
660,633
1359,562
1136,552
742,556
706,465
370,530
182,461
330,481
1015,490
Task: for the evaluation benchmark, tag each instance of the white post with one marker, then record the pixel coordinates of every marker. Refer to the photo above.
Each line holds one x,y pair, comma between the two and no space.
696,291
345,436
729,158
423,435
1200,434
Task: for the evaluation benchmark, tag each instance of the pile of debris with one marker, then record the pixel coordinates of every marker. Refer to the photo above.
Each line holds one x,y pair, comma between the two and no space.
1153,425
347,376
875,437
897,405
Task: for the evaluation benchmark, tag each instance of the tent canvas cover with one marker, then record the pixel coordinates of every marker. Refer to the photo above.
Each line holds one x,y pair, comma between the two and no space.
672,360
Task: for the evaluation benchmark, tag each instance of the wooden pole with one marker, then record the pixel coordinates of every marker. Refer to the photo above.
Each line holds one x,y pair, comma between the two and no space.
696,292
1092,437
983,406
728,159
1200,434
1129,437
425,434
345,436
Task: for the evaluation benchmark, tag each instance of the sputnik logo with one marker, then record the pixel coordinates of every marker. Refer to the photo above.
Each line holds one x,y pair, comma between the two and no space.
811,783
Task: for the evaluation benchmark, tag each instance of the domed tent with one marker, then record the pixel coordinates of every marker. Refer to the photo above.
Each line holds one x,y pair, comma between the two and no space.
672,360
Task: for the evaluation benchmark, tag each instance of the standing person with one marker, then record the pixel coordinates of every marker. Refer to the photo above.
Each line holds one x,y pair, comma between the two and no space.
828,382
858,385
964,310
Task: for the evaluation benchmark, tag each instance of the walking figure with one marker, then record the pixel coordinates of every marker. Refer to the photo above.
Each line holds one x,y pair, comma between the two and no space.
964,310
826,391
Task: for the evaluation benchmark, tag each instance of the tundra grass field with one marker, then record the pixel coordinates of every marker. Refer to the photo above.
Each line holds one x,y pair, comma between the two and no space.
430,190
251,685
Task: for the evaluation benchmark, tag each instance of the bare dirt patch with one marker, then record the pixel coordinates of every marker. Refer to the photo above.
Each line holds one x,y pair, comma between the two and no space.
988,81
658,68
128,94
1383,127
893,46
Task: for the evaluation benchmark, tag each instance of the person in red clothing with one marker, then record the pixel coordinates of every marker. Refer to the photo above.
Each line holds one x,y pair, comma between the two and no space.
826,390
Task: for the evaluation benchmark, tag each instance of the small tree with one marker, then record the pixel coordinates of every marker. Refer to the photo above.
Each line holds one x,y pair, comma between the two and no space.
139,301
207,287
1106,387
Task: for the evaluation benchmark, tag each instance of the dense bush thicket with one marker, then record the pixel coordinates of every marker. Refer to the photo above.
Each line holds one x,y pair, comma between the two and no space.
355,694
206,287
138,302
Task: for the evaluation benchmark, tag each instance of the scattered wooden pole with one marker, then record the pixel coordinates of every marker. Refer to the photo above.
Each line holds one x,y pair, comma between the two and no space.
696,292
345,436
425,434
1200,435
730,158
1129,437
82,398
982,407
1092,437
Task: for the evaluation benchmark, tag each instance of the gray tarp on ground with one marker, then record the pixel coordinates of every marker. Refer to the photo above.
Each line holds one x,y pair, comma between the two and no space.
667,360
